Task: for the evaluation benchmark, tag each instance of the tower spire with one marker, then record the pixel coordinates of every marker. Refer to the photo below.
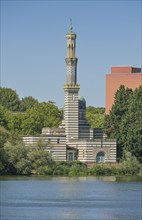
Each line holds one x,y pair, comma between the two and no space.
71,60
70,25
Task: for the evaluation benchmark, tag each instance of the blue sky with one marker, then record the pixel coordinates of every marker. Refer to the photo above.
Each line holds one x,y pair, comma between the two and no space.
33,45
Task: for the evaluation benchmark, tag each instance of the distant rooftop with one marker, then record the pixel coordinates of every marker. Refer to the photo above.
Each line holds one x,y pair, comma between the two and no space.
125,69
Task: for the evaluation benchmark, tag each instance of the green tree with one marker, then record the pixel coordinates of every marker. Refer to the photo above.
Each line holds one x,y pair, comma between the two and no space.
41,115
131,126
9,99
125,122
95,116
11,121
130,165
3,116
15,121
5,138
41,161
4,135
27,103
17,158
117,114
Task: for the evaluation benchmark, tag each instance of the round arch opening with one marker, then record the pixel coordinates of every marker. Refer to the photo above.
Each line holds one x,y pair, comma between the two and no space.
100,157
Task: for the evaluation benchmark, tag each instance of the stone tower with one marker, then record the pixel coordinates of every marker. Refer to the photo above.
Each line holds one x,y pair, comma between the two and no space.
71,89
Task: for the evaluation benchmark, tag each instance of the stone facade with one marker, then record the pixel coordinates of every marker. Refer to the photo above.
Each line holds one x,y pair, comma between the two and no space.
75,139
56,144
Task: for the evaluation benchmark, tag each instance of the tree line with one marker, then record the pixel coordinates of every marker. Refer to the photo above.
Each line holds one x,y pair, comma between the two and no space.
28,116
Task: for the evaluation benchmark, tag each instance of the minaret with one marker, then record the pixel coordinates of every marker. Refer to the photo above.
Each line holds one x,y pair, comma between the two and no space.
71,89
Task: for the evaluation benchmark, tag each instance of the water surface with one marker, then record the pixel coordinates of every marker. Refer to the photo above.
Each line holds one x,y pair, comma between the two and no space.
66,198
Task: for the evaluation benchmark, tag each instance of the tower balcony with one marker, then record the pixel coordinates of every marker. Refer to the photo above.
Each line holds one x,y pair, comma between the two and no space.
67,86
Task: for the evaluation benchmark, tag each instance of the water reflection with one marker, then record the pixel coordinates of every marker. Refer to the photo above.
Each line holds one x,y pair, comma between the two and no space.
73,198
76,179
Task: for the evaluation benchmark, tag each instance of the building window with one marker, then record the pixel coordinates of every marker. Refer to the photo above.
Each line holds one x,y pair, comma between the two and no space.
82,116
100,158
49,140
71,156
58,141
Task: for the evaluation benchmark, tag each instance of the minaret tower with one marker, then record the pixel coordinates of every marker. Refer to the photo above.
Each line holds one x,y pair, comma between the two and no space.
71,89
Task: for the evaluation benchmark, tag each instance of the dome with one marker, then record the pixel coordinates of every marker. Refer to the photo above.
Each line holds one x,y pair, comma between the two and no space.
81,102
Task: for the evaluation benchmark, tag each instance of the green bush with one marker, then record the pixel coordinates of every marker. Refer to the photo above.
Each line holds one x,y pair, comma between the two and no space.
78,170
70,168
61,170
101,170
129,164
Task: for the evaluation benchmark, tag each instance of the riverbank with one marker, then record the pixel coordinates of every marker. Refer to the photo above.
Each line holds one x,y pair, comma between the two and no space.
76,169
75,178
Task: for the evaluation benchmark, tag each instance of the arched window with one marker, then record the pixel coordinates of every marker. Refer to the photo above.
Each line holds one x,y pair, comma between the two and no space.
100,158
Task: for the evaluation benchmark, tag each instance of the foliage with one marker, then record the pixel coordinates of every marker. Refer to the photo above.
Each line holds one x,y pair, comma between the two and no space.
70,168
61,169
125,121
4,135
131,126
24,160
130,165
27,116
95,116
3,116
17,160
118,111
78,169
101,170
27,103
39,116
41,144
40,161
9,99
15,121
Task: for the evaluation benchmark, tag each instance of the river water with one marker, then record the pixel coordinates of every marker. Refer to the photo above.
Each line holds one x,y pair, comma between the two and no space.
67,198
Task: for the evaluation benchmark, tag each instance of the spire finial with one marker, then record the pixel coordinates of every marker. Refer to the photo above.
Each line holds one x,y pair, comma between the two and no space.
71,25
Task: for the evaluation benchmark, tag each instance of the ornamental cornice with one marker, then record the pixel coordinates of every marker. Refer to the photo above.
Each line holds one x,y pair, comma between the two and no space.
71,36
71,60
67,86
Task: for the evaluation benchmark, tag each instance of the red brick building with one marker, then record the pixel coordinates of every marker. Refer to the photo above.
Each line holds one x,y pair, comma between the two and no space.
130,77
